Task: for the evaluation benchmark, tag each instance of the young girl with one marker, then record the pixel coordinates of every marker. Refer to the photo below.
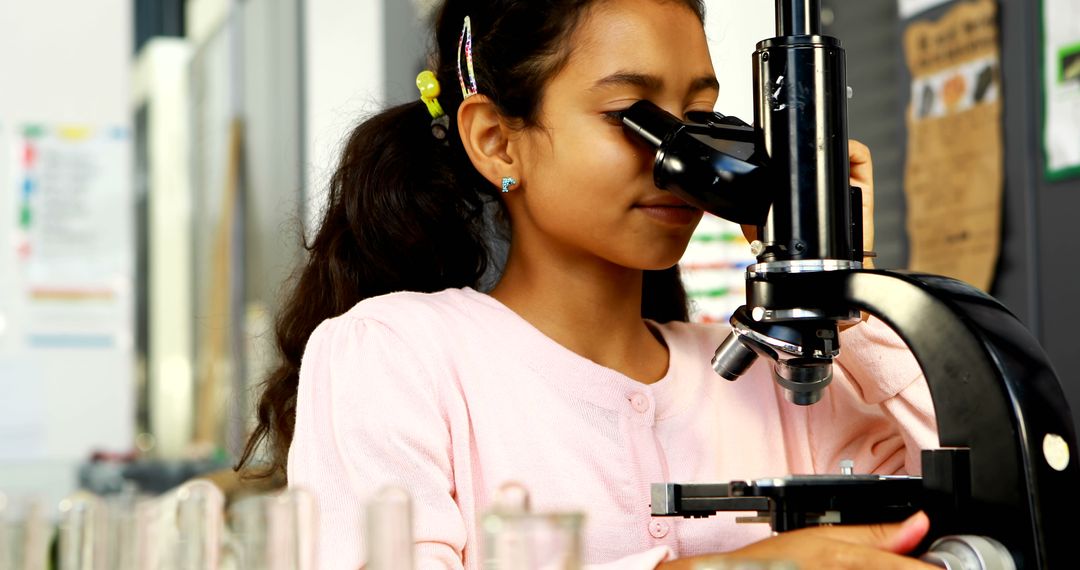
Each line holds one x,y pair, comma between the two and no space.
569,367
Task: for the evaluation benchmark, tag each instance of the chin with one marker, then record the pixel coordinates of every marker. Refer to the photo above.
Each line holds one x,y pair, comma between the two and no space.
650,254
665,260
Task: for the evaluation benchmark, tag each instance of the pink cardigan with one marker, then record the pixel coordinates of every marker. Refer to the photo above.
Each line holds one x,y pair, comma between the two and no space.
452,394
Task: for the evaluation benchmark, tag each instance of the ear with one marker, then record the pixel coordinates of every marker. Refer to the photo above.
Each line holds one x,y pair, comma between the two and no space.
487,139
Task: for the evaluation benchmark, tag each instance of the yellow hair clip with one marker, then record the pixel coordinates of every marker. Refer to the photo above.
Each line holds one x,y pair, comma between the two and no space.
429,91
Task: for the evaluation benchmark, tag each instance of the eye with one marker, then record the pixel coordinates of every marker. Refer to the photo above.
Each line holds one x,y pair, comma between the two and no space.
614,117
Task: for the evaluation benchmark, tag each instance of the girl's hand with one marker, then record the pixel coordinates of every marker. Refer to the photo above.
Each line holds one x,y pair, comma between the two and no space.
838,547
862,175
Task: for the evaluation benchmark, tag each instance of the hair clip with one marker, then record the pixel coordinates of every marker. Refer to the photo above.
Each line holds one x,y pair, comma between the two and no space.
430,90
466,42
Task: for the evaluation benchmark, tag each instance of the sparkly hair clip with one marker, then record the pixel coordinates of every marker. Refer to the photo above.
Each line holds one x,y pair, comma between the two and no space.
467,90
430,90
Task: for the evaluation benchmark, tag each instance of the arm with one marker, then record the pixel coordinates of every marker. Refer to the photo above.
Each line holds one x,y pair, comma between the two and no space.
879,372
878,411
368,415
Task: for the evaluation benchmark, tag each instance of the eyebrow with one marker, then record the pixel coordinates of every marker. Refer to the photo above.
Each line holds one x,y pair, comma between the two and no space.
652,82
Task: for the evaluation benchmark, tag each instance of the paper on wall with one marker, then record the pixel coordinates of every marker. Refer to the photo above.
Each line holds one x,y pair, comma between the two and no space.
909,8
1061,87
954,172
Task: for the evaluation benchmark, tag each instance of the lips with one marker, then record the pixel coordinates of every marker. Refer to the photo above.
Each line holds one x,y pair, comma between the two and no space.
677,213
663,202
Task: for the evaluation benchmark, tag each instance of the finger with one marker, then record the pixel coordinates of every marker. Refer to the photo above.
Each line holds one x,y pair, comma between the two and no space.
861,164
858,153
910,534
898,538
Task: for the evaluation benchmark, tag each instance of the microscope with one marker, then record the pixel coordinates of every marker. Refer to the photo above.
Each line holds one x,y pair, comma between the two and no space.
1003,487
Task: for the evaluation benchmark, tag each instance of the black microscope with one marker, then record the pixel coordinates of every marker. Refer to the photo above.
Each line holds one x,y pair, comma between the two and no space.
1002,491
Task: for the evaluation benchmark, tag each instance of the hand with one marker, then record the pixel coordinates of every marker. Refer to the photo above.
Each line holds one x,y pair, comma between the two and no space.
835,548
862,175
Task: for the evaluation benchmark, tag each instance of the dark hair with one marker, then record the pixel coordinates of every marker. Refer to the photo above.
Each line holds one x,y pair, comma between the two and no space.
406,212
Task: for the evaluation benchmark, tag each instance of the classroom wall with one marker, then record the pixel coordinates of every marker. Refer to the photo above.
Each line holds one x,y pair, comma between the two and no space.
60,62
1037,276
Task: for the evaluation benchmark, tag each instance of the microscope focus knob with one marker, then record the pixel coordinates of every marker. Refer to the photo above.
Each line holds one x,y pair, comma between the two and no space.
969,552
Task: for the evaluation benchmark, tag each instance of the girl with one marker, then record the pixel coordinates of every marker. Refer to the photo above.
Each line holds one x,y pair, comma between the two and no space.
569,366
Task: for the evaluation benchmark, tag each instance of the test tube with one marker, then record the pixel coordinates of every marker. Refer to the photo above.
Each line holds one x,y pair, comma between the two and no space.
134,531
274,532
7,534
516,538
199,521
389,532
83,532
24,534
299,513
248,544
512,497
36,532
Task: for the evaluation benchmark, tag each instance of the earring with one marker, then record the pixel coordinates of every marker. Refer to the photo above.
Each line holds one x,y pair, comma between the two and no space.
507,182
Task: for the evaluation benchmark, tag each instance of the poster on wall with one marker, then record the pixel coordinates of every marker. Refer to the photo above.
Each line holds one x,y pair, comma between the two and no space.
954,170
909,8
7,282
1061,87
65,299
72,236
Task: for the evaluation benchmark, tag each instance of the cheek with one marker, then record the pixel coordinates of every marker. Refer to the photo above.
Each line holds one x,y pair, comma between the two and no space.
601,161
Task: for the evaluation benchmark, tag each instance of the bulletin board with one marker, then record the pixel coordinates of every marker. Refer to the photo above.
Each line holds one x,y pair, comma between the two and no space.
954,174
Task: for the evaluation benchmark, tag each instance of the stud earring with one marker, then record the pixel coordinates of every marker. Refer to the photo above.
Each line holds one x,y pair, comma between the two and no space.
507,182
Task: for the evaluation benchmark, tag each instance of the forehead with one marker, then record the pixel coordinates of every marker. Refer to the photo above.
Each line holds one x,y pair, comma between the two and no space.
661,37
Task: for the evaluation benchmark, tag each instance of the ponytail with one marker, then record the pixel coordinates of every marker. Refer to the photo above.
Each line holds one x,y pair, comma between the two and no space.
403,213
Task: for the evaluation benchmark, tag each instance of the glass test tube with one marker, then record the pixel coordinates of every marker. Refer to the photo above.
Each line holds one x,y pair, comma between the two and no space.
274,532
83,532
199,521
514,538
134,530
24,534
388,530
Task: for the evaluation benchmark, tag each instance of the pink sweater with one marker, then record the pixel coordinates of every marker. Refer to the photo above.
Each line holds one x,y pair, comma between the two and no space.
452,394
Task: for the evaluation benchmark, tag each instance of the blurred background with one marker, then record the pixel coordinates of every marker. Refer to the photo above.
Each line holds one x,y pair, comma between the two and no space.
161,160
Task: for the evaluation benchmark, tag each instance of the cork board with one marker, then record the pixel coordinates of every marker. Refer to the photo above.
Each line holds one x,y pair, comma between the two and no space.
954,170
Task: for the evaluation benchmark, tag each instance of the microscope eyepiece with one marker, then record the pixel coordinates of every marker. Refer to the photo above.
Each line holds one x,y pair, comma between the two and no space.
651,123
713,165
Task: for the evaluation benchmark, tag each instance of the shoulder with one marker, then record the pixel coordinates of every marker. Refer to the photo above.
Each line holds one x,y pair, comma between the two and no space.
412,302
404,334
411,312
408,320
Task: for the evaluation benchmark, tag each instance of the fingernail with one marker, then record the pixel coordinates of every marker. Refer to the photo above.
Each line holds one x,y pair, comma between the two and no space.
914,520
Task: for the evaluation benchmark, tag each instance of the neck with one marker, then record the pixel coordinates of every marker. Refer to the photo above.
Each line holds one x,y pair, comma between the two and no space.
590,306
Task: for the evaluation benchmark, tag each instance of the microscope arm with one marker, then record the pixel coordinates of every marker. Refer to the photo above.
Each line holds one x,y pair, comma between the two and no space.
1005,428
